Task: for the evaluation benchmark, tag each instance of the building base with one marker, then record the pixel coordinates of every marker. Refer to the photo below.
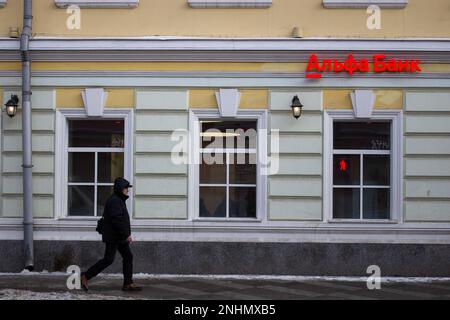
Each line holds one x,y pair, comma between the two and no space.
229,258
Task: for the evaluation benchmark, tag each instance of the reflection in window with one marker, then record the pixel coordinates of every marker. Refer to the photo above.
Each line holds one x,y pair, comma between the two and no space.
361,170
95,159
228,169
362,135
96,133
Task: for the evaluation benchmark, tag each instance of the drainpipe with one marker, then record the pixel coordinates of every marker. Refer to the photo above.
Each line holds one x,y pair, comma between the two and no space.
26,137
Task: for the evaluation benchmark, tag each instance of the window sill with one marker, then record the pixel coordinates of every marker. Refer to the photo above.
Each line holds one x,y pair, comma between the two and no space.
252,4
358,4
105,4
80,218
353,221
231,220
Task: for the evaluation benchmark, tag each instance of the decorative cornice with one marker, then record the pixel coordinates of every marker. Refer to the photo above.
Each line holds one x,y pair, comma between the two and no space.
240,44
357,4
204,49
114,4
219,74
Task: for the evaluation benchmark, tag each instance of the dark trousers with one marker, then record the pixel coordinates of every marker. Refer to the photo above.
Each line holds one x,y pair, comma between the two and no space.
108,259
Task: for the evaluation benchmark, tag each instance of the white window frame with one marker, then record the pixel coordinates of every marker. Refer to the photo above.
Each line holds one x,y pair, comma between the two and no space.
195,115
105,4
62,151
396,203
252,4
358,4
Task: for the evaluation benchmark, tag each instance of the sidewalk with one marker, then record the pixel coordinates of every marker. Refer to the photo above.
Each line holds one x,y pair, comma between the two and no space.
106,287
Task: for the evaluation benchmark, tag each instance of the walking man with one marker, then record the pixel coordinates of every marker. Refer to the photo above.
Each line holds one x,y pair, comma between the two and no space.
116,234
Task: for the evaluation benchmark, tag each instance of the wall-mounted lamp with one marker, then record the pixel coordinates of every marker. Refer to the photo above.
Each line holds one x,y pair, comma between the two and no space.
297,107
11,106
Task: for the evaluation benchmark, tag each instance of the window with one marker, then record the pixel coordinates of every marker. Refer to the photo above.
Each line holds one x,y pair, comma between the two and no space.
361,170
363,176
90,153
228,169
2,3
225,180
95,159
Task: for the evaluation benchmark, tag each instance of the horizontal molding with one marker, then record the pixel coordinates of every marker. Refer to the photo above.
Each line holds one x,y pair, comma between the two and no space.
114,4
221,74
227,49
276,231
358,4
161,196
258,4
427,199
259,82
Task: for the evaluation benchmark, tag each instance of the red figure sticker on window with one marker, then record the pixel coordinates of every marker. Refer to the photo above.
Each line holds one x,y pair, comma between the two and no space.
343,165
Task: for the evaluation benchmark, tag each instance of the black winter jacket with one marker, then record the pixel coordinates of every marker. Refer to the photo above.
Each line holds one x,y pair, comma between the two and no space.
116,226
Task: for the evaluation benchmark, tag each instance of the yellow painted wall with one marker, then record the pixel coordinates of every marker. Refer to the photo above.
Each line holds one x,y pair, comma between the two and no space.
250,98
421,18
10,66
71,98
340,99
198,98
287,67
169,66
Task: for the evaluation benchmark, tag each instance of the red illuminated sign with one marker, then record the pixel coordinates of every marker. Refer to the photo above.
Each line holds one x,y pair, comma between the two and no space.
351,65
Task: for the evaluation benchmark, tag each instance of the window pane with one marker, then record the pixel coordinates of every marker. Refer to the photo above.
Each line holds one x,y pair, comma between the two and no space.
213,202
243,168
81,200
376,203
362,135
81,167
229,134
103,193
242,202
346,170
213,168
96,133
110,166
346,203
377,170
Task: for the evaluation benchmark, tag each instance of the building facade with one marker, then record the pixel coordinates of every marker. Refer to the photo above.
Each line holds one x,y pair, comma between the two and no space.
155,90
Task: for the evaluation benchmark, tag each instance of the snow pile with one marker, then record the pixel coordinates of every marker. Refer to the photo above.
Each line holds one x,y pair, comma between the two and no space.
145,276
12,294
282,278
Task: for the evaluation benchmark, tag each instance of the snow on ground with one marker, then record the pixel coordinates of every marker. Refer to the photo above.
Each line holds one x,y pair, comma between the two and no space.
12,294
242,277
